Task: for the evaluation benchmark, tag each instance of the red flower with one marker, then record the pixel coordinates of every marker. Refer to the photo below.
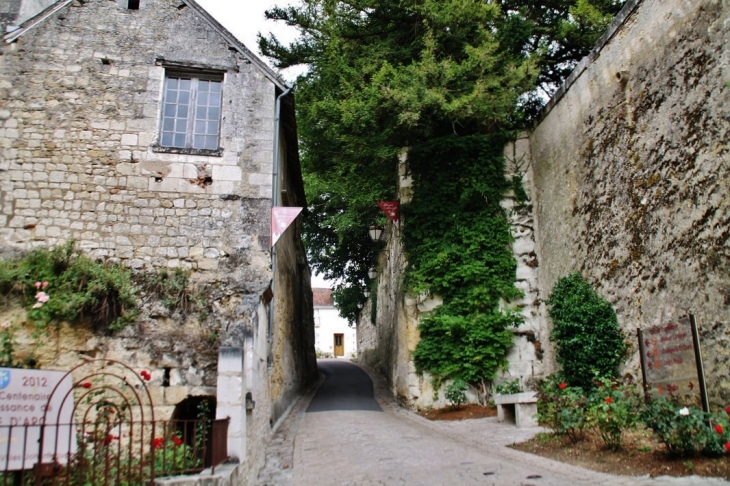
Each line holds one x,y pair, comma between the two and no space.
727,446
158,442
727,410
86,384
609,399
146,375
562,385
176,440
719,429
109,438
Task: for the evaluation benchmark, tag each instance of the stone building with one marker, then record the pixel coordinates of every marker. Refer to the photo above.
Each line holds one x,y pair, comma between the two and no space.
333,335
627,174
151,136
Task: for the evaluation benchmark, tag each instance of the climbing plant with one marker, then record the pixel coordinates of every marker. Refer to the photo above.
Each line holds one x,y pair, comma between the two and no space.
457,239
62,284
589,343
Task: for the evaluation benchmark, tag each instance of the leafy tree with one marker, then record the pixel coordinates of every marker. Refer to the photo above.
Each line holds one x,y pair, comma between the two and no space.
457,75
588,340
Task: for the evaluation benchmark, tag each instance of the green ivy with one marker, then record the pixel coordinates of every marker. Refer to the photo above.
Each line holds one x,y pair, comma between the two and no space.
77,288
589,344
63,284
458,243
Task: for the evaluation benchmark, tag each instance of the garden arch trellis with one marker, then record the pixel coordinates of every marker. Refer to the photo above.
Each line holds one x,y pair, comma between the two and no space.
113,427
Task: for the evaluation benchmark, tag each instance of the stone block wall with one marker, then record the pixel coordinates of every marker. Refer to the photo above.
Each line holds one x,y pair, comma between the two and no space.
630,174
80,116
80,103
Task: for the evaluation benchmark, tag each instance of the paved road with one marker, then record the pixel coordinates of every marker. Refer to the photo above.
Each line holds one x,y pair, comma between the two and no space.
352,433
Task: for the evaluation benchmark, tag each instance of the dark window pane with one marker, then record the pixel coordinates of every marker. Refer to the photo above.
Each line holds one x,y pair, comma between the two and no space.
179,140
166,139
169,109
181,126
168,124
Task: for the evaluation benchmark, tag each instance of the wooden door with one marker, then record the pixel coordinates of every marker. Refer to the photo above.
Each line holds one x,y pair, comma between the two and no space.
339,345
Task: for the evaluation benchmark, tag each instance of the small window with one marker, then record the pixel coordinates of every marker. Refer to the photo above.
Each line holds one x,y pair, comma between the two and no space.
133,4
191,112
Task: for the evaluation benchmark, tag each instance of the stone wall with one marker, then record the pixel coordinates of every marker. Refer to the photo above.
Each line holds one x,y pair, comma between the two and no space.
630,171
80,103
388,344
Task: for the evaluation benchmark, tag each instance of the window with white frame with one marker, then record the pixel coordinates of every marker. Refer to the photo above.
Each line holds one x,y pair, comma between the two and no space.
191,111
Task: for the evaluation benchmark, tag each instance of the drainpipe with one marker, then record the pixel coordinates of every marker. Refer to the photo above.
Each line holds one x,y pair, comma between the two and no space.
274,202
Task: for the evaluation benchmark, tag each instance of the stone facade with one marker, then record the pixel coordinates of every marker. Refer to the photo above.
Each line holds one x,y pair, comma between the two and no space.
630,174
81,97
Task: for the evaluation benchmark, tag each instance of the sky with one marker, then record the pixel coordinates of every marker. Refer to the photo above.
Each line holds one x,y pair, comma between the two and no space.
245,19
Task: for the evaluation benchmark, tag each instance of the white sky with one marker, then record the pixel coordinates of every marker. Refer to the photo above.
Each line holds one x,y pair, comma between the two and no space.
245,19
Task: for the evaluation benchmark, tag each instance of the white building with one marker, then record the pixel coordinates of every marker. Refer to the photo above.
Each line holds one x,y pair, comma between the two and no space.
333,337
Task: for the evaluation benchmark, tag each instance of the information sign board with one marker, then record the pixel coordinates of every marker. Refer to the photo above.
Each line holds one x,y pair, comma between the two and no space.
671,361
24,398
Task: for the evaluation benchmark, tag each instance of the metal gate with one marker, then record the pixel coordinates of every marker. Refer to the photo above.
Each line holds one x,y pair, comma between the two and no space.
101,431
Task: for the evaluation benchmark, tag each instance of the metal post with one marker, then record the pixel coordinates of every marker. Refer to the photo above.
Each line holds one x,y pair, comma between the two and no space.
700,366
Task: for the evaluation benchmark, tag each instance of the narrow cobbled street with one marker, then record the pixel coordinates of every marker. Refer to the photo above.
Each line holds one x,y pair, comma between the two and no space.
351,432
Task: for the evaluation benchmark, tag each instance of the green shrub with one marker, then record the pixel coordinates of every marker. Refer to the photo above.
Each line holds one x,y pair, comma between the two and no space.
687,431
588,341
62,284
456,393
508,387
613,409
562,409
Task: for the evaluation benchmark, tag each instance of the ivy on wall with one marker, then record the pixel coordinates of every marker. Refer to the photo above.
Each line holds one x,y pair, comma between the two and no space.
458,242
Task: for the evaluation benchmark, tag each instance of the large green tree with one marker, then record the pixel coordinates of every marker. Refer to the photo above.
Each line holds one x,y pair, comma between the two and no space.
453,75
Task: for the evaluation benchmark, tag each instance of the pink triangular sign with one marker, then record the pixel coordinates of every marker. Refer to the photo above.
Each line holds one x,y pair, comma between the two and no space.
281,218
391,209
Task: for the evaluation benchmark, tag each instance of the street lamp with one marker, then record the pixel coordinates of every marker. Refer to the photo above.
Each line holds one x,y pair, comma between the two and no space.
359,305
375,232
366,293
372,273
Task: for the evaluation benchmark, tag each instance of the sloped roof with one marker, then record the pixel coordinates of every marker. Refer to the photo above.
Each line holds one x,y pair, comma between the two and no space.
322,297
40,17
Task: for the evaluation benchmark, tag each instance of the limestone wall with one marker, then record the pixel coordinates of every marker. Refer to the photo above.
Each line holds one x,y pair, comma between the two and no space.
388,344
631,174
80,102
80,115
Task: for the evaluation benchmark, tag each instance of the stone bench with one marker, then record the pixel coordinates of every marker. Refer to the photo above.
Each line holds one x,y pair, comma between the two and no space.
517,408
